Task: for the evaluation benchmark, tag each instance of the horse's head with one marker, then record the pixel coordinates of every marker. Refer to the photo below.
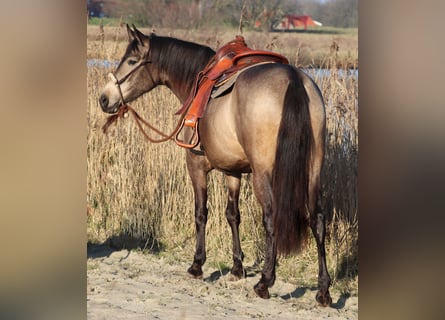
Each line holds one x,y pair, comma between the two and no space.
134,75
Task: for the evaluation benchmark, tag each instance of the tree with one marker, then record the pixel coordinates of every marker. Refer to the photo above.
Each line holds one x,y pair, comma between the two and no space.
202,13
340,13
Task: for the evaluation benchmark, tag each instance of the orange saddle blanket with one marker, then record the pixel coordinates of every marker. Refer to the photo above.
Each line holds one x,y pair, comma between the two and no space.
226,64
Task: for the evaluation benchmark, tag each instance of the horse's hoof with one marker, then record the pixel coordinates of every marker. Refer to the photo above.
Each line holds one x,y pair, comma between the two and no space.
324,300
261,290
195,272
238,273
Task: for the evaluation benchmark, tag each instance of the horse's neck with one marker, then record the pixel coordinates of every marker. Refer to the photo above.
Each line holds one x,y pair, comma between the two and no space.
180,79
181,89
180,84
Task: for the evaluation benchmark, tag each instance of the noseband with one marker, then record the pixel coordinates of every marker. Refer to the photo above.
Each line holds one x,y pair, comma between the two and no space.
141,63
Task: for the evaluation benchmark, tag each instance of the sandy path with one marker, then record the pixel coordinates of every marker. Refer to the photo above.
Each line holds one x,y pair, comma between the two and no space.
131,285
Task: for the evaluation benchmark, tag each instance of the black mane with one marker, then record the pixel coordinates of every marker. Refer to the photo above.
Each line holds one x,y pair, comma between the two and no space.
182,58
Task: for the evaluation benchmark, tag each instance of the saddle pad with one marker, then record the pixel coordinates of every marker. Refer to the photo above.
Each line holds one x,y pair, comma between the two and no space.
225,84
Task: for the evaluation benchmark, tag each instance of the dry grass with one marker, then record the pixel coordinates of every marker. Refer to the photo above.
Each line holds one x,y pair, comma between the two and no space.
141,191
302,49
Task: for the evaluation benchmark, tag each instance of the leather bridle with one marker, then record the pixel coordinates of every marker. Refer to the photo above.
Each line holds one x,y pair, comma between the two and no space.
125,108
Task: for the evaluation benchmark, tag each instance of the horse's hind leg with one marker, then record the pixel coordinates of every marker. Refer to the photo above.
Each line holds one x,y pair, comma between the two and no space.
263,192
234,219
318,226
324,280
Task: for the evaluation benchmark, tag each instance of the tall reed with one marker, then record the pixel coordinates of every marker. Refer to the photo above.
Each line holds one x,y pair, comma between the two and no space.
141,191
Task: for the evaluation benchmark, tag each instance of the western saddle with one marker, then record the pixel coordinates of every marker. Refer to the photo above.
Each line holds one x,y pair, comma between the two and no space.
221,71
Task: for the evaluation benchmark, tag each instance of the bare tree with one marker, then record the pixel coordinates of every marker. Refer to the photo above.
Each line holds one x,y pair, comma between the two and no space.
340,13
202,13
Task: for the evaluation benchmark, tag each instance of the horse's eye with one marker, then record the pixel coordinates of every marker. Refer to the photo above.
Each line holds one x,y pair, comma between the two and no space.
132,62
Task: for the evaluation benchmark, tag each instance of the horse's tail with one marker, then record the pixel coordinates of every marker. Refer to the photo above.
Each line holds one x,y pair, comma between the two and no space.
290,174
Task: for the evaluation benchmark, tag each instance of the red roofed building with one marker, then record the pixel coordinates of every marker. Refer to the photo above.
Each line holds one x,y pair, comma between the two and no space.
292,21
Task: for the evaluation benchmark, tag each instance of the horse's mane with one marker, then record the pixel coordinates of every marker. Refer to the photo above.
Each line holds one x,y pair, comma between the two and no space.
179,57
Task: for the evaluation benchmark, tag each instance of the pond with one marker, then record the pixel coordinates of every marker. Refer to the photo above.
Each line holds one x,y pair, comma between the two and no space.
101,63
318,72
313,72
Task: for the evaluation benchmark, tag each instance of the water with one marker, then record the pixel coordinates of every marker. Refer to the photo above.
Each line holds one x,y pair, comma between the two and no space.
317,72
101,63
313,72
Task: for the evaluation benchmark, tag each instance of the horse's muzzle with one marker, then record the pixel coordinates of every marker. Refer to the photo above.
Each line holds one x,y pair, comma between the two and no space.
103,100
104,104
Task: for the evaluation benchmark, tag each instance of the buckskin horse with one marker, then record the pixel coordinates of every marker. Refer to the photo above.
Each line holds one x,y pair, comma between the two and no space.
270,123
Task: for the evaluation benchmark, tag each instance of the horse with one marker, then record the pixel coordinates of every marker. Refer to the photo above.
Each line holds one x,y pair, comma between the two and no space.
271,124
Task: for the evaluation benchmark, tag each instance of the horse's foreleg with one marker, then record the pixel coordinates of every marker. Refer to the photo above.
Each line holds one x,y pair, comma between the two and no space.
199,181
263,192
318,226
200,223
234,219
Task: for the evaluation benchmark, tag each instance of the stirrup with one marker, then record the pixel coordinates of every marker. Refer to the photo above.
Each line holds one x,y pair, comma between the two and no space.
193,141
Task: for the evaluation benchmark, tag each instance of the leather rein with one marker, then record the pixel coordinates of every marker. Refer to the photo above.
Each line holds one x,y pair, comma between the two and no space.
125,109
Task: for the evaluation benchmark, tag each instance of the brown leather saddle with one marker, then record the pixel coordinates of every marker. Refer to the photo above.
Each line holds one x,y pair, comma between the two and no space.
227,63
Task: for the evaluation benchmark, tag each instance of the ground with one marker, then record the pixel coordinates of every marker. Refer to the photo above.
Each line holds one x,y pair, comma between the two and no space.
134,285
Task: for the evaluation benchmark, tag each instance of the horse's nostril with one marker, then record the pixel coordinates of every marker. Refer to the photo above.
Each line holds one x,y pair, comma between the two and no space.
103,100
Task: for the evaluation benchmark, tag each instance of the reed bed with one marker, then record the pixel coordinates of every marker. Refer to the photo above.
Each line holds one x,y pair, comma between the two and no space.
139,194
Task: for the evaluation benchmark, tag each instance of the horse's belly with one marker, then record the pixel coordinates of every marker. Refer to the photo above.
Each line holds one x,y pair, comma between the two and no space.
222,148
227,162
226,155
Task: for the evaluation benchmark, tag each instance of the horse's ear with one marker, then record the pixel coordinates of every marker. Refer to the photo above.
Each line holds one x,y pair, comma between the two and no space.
138,36
130,33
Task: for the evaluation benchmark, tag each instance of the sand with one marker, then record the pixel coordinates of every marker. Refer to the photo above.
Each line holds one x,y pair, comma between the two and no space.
132,285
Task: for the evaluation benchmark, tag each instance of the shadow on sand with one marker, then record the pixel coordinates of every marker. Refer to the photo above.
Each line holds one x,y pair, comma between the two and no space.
117,243
301,291
249,272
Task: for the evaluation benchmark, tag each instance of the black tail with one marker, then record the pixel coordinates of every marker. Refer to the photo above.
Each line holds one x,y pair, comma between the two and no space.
291,171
